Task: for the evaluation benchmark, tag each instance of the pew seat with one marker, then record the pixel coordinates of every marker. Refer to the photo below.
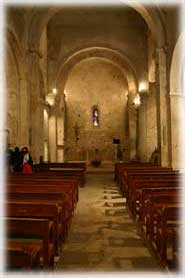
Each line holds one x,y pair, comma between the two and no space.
168,223
23,255
33,209
31,230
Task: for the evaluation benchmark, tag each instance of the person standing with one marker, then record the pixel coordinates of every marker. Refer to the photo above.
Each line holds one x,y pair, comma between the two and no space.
17,160
27,161
9,159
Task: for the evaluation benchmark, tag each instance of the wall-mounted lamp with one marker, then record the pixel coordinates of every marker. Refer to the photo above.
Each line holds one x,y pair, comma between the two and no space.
45,114
137,101
65,94
54,91
50,98
143,87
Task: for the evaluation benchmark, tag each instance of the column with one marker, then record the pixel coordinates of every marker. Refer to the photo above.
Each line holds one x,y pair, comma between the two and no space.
163,109
151,119
60,137
142,129
132,115
52,135
23,121
46,134
60,126
36,110
177,103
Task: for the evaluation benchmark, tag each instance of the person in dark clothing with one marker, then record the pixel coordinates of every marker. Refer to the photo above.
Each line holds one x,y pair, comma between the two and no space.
17,160
9,159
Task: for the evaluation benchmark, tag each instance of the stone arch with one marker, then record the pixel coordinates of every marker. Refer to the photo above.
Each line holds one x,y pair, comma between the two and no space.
154,20
151,15
119,61
16,23
13,57
83,115
41,84
176,67
111,55
177,102
16,50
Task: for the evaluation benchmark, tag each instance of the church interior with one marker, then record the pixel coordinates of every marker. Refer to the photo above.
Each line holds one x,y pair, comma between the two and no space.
94,142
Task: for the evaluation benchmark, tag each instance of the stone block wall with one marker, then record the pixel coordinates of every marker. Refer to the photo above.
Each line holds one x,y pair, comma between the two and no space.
12,100
122,30
94,81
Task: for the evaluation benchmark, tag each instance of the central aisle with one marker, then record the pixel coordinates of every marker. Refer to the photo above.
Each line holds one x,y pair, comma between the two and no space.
102,235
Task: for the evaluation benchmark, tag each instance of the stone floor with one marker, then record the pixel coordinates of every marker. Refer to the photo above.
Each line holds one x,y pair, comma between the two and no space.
103,168
103,236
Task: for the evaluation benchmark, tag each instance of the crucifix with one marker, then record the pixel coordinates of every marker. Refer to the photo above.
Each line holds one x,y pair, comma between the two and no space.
76,130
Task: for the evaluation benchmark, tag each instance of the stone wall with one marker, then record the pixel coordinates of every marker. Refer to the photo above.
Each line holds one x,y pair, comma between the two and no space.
94,81
151,128
12,100
123,30
68,31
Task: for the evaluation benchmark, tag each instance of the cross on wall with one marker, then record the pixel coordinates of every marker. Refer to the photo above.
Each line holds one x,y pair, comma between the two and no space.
77,131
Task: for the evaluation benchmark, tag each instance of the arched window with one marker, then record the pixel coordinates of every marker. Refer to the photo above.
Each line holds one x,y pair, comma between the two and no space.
95,116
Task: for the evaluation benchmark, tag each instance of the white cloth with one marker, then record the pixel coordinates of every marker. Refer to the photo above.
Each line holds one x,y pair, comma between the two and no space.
26,158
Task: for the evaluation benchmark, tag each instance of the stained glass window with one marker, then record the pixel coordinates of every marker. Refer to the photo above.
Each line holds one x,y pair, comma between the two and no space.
95,116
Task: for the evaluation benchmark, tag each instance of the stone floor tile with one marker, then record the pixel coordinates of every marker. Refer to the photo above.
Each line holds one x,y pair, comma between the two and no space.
103,236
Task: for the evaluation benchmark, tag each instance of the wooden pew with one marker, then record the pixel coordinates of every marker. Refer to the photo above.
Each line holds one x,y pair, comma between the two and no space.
120,165
33,209
47,165
49,189
155,204
42,179
157,201
49,175
50,198
54,185
148,192
78,172
36,231
176,249
155,198
129,175
24,256
63,169
138,178
122,173
167,221
150,176
135,193
72,179
56,188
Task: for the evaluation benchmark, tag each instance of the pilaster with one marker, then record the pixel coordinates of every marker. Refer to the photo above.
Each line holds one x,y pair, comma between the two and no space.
163,120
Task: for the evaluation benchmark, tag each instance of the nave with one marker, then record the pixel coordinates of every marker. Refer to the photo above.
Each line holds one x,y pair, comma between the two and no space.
88,86
103,235
61,218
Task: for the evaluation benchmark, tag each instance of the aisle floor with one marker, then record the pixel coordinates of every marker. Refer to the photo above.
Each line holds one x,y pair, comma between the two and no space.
103,236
